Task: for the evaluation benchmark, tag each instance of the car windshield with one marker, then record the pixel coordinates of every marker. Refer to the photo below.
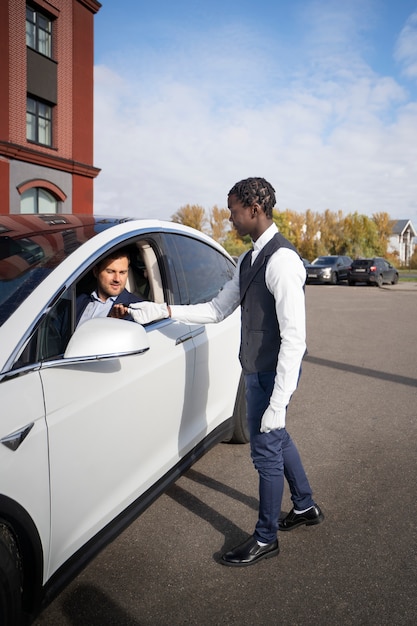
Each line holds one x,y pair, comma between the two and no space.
362,262
31,246
325,260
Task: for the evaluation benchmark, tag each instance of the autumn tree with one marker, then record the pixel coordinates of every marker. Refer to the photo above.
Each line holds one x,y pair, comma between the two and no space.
360,236
282,220
192,215
235,244
313,234
331,232
383,226
219,223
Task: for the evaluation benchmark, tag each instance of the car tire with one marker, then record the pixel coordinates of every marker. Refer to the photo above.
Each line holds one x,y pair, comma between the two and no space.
379,280
240,422
351,282
333,278
394,280
10,580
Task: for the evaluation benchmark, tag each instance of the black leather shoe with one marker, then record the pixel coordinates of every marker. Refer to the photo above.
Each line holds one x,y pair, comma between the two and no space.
249,552
310,518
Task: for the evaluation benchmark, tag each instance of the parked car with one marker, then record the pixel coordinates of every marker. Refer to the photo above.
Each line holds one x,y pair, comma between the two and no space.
328,269
375,271
96,422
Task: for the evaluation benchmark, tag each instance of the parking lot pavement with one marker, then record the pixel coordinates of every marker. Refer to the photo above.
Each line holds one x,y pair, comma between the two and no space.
354,420
402,286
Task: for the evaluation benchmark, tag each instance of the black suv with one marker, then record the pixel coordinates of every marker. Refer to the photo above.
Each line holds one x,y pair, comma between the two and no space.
376,271
328,269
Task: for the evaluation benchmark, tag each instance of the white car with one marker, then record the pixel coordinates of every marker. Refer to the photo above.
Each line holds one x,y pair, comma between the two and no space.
96,423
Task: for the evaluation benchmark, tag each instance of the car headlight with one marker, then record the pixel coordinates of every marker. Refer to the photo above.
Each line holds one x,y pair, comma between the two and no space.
326,272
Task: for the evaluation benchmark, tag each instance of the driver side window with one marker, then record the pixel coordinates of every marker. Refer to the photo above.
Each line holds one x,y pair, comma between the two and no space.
52,335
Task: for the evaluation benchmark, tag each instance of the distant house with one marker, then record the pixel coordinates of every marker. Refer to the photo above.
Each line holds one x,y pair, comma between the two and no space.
402,240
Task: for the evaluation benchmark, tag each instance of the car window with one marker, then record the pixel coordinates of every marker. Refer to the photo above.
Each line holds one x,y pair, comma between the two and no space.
325,260
51,336
201,271
31,246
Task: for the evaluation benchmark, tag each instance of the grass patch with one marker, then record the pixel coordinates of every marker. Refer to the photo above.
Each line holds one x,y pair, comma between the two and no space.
409,276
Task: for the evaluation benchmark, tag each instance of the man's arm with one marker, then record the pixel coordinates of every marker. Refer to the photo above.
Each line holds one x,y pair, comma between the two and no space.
285,277
227,300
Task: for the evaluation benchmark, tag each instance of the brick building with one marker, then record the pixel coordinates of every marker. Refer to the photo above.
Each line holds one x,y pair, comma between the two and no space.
46,106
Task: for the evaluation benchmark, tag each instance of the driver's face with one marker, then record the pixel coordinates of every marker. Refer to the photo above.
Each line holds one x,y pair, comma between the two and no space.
112,277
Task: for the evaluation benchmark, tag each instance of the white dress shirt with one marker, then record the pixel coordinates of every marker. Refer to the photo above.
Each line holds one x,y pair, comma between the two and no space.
284,277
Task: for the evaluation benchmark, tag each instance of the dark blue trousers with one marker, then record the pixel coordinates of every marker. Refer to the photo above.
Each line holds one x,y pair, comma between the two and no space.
274,455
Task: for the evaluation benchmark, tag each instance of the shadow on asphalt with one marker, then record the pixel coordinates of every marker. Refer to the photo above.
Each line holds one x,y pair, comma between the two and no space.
362,371
88,605
232,534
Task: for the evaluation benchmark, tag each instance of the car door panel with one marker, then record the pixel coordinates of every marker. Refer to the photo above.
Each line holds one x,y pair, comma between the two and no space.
217,369
113,432
24,471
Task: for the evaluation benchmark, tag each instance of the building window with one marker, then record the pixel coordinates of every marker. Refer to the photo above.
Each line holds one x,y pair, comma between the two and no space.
38,31
37,200
38,122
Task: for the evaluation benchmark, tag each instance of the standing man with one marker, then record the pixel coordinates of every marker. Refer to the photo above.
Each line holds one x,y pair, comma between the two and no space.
111,274
269,286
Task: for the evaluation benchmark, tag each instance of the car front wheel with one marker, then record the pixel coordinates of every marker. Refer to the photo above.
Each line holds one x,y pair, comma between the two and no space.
10,580
395,279
333,278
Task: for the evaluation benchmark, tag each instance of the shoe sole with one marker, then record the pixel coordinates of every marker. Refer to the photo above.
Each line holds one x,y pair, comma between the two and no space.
264,556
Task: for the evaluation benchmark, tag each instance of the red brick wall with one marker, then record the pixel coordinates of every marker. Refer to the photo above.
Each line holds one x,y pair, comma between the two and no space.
17,72
83,60
4,71
72,146
82,195
62,53
4,187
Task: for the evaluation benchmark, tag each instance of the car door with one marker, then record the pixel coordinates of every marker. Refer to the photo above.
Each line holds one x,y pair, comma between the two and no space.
201,271
113,429
343,266
24,470
385,270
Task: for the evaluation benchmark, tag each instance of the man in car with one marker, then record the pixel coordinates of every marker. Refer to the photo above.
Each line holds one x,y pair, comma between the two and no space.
110,297
269,286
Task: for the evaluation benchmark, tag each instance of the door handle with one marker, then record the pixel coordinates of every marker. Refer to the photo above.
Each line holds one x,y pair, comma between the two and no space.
190,335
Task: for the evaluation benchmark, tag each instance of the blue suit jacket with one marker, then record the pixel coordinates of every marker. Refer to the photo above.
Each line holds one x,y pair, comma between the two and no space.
124,298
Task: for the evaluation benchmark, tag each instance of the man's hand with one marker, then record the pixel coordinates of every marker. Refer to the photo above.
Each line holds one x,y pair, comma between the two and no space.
273,419
119,311
145,312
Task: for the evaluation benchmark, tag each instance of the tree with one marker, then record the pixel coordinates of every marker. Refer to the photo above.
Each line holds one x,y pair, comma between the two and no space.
235,244
331,232
383,225
219,223
282,219
192,215
360,236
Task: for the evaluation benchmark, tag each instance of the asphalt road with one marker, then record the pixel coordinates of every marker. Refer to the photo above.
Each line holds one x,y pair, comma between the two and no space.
354,420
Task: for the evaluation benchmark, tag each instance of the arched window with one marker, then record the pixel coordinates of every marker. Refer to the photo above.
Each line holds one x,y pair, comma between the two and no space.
38,200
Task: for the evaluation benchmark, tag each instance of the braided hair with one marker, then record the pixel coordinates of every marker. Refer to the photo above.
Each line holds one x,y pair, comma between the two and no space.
251,190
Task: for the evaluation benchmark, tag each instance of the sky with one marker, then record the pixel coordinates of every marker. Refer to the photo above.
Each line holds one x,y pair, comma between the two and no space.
317,96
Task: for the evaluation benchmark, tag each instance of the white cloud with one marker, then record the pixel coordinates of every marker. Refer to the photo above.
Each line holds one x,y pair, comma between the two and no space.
329,134
406,48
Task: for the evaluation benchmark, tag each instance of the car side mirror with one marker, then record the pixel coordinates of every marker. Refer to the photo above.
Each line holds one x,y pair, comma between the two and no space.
106,338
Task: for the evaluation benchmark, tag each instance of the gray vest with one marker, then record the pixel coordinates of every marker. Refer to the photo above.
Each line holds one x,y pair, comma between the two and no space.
260,339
